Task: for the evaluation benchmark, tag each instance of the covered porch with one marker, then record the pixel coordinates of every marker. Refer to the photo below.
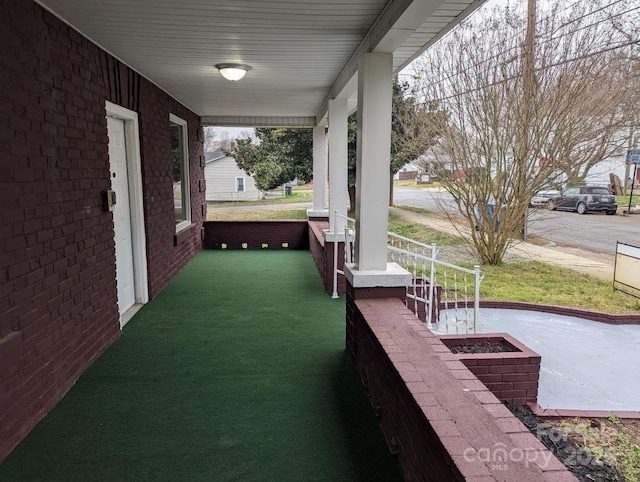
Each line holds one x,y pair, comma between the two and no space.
234,368
236,371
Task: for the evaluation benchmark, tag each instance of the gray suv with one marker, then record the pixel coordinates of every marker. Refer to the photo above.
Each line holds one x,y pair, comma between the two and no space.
585,199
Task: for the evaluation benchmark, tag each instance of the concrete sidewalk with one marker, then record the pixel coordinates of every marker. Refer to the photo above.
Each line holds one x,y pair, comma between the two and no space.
595,264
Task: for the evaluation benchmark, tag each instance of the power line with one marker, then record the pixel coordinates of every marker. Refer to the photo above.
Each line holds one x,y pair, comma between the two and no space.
545,41
501,81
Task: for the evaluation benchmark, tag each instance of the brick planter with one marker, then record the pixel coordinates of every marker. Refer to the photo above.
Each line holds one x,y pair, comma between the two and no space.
511,376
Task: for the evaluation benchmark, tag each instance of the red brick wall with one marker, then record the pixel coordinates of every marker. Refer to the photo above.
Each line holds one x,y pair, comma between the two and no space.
609,318
323,256
435,414
511,376
256,234
57,267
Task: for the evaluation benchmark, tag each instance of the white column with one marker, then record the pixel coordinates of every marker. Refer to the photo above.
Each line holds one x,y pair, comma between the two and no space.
373,160
372,177
319,174
338,131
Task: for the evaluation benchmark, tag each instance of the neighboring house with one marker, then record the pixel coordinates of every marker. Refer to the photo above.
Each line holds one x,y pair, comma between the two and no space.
408,172
599,173
226,181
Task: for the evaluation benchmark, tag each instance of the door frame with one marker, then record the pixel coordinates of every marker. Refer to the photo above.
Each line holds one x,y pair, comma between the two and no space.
136,199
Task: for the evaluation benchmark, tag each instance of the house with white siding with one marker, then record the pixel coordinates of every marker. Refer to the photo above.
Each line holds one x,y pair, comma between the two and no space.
226,181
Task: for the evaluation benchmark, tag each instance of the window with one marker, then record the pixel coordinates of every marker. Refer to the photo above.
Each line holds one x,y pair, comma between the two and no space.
180,158
239,184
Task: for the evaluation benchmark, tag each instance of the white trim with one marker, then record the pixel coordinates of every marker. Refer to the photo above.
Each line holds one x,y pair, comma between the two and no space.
244,184
330,236
318,214
186,183
136,198
130,313
392,277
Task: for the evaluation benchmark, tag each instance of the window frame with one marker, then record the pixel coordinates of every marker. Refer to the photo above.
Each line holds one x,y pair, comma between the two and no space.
244,184
185,181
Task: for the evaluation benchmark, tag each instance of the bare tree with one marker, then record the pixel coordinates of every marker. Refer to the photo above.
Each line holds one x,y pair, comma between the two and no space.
513,123
210,138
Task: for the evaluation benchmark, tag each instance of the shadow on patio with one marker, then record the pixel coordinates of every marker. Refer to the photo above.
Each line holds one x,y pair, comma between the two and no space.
236,371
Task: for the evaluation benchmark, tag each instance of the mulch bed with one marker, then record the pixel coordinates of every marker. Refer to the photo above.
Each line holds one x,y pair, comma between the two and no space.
577,459
485,347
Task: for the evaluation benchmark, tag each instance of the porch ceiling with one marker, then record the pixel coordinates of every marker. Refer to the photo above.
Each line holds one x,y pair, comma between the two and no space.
302,52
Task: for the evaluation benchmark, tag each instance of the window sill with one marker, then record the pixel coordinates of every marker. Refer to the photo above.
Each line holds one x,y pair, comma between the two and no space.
183,233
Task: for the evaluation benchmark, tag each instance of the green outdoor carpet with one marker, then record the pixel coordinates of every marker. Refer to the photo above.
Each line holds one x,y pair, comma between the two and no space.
236,371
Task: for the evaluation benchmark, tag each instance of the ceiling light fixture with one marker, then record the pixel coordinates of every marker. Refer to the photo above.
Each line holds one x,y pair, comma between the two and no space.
233,72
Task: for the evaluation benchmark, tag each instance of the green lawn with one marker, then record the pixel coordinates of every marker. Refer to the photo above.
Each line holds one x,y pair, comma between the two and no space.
623,201
294,197
421,233
258,215
535,282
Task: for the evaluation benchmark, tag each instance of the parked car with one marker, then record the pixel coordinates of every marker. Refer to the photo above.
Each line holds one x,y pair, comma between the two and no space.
542,197
585,199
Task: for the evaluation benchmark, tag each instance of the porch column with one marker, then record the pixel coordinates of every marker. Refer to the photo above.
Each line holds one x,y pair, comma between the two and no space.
373,164
319,209
338,131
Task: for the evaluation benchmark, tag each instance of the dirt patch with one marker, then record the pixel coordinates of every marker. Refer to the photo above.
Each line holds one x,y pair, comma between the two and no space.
537,241
567,448
485,347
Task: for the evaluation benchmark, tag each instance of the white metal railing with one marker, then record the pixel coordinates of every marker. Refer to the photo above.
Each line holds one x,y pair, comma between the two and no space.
411,245
404,256
434,282
438,283
349,241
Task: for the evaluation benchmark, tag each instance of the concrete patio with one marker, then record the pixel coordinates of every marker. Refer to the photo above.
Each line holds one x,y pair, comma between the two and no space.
586,365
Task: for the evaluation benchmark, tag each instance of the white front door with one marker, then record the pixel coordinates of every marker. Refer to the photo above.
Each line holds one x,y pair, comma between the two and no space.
121,215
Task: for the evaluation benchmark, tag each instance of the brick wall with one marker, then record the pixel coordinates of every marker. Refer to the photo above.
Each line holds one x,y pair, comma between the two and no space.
609,318
511,376
57,268
323,255
439,419
256,235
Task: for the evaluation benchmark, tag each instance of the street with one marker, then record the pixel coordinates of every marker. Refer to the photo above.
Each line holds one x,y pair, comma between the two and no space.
595,232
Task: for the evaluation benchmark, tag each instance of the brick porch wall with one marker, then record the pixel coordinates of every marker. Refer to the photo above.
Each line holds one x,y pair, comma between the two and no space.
609,318
57,274
435,414
323,255
270,234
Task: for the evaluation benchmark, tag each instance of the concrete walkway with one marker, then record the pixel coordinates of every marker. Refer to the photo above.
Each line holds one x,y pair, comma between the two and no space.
258,207
586,365
595,264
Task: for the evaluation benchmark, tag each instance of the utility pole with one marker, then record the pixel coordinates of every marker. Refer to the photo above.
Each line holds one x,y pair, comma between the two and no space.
529,88
529,48
627,168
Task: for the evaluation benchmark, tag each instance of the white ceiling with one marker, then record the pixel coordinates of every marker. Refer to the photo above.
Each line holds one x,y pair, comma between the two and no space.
301,51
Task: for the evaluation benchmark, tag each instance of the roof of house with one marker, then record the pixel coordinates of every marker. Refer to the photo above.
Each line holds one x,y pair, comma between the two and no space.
211,156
